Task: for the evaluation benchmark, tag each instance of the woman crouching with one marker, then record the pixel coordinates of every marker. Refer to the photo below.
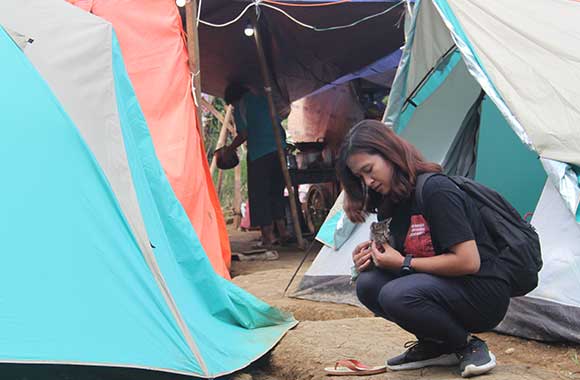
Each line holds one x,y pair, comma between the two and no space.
437,279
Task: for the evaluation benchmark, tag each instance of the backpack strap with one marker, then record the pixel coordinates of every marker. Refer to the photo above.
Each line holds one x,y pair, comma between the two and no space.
421,179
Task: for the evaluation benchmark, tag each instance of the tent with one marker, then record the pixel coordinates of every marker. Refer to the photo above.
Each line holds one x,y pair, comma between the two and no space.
304,47
101,266
487,89
152,43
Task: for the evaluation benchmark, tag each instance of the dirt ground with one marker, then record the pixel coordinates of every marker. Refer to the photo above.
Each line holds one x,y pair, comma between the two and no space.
329,332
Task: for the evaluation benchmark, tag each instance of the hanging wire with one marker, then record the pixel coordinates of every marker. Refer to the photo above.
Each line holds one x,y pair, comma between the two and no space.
229,22
306,5
264,3
198,14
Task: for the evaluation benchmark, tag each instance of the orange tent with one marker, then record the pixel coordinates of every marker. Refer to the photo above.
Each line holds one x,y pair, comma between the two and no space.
151,37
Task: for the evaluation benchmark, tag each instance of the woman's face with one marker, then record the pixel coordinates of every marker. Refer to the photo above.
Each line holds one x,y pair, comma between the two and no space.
373,169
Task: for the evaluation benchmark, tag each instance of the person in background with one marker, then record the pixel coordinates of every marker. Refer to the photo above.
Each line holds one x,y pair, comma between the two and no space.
439,278
265,178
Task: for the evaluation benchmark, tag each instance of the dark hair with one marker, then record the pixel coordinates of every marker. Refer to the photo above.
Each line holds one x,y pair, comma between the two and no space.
375,137
234,92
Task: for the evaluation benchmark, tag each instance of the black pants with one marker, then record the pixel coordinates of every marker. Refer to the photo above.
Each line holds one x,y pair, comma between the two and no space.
265,190
441,309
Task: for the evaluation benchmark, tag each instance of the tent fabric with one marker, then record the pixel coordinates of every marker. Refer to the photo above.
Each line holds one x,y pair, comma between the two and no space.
329,277
90,294
65,241
214,310
302,60
552,311
87,92
536,87
449,93
381,72
150,35
20,39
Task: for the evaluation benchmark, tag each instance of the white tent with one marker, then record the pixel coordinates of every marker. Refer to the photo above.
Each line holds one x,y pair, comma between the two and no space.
489,89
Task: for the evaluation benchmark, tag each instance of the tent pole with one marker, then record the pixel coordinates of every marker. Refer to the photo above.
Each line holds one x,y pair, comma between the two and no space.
281,156
221,138
193,55
238,196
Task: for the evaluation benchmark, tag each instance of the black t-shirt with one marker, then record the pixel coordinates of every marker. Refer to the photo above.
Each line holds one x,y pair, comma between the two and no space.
452,218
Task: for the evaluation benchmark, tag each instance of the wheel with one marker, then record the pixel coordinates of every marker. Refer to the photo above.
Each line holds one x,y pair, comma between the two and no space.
316,207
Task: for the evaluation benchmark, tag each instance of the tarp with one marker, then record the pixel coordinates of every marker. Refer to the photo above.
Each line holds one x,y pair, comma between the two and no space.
86,287
151,39
302,60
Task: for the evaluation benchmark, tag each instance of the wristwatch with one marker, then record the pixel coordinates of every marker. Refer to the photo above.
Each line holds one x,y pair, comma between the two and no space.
406,268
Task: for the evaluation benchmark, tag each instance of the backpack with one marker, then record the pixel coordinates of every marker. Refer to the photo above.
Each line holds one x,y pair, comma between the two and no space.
516,240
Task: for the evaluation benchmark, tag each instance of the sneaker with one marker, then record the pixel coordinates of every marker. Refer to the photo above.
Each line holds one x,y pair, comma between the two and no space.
422,354
475,358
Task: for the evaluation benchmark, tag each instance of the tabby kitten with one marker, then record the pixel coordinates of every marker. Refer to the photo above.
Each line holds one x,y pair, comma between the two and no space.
381,233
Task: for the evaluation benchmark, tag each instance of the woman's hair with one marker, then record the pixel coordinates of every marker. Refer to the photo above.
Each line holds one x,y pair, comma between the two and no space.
375,137
234,92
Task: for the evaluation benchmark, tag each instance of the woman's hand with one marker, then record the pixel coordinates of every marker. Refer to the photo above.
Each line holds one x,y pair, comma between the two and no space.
389,259
354,210
361,256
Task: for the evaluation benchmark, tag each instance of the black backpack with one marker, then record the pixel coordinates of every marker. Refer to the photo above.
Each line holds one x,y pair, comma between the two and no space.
516,240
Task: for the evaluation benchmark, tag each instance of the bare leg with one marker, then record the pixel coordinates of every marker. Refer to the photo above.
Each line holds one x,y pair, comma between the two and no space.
267,234
281,226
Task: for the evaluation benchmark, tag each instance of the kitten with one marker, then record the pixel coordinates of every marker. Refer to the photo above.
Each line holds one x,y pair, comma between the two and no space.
381,233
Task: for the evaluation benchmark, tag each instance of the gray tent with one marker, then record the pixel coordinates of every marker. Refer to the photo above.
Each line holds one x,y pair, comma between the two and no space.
487,93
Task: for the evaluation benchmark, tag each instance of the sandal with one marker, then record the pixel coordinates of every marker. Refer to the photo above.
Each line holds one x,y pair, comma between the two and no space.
352,367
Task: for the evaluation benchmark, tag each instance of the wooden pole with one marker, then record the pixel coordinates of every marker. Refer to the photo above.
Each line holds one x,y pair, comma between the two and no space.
218,115
220,179
273,116
193,55
221,138
237,196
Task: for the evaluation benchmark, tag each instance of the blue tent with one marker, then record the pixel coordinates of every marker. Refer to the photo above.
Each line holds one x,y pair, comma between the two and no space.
83,285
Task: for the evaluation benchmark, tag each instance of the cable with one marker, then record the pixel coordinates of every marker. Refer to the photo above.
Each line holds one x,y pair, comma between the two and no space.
290,17
229,22
198,14
311,27
306,5
361,20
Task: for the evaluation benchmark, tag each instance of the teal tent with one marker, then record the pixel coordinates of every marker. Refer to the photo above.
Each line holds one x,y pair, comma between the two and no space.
100,265
488,89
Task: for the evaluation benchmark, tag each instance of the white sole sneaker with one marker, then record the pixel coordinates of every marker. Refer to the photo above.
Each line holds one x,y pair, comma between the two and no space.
439,361
473,370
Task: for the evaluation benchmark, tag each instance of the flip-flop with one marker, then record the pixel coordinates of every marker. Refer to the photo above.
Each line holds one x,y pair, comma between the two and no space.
352,367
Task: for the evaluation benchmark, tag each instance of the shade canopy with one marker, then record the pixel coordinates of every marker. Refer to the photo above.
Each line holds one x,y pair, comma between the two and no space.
301,59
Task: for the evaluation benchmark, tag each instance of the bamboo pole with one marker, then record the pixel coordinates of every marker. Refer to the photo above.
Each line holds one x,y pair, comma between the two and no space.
237,196
218,115
273,117
193,55
221,138
219,182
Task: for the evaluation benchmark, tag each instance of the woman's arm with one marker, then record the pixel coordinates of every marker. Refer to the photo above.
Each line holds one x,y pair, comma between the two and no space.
463,259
